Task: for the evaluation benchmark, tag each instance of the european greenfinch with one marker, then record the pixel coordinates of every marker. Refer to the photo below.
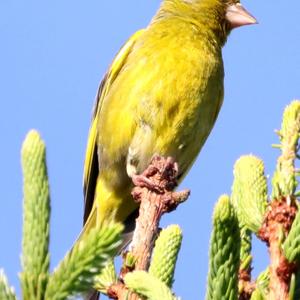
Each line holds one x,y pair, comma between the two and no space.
161,95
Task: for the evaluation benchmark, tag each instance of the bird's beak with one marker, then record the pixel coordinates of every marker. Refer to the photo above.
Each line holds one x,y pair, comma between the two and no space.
238,16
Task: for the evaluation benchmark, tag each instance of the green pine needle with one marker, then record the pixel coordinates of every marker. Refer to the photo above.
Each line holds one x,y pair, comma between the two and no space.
224,258
165,253
6,292
292,287
35,256
257,295
76,272
296,287
262,285
129,261
249,191
148,286
276,146
106,278
284,180
291,246
245,251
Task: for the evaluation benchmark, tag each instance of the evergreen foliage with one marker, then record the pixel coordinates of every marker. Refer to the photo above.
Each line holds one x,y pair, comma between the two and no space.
247,211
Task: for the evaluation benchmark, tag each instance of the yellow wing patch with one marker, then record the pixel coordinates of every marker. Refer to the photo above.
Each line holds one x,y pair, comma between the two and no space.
91,166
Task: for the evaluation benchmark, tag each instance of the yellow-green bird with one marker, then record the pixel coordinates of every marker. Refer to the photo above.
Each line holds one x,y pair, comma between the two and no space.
161,95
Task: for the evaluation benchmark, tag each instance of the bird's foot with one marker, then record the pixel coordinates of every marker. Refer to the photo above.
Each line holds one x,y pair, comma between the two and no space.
143,181
160,175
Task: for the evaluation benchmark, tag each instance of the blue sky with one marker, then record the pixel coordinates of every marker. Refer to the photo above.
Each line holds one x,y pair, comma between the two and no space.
52,57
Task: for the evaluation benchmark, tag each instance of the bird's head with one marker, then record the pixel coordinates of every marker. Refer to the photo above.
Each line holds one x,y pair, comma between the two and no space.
218,15
230,13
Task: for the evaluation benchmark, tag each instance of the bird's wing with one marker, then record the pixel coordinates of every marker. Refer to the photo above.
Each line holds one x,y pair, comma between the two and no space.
91,165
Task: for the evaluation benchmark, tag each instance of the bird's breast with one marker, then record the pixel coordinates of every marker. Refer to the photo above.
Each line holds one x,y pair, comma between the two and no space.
184,92
164,101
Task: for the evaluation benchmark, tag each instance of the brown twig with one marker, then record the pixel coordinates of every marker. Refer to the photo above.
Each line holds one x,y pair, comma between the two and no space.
277,223
246,286
154,192
117,291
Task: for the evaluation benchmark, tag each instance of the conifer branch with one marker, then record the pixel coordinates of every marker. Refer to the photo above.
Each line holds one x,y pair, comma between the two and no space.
224,256
296,291
262,284
284,181
154,191
35,256
106,278
249,197
257,295
76,272
6,292
148,286
291,246
165,253
249,191
282,210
